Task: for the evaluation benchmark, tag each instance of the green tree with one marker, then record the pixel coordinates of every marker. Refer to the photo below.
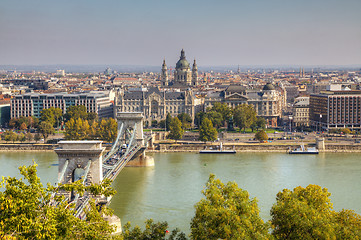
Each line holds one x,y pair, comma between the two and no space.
185,119
215,117
92,116
21,137
175,129
58,115
47,115
45,129
225,111
156,231
93,130
207,132
108,130
13,123
244,116
168,121
29,136
261,135
77,129
199,118
227,212
348,225
304,213
260,123
162,124
76,112
9,136
37,137
27,211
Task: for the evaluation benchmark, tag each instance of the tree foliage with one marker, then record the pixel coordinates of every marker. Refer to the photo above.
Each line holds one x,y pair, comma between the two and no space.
80,129
51,115
152,231
168,121
76,112
185,119
175,129
45,128
227,212
23,123
261,135
108,130
77,129
207,132
215,117
224,110
28,212
244,116
306,213
260,123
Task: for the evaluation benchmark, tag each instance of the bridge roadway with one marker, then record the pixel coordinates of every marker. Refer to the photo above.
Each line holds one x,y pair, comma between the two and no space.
113,163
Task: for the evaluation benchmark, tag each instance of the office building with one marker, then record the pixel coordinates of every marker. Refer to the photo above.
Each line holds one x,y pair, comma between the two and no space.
335,109
31,104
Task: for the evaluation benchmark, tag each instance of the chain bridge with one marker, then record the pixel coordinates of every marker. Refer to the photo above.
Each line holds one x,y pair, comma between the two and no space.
86,160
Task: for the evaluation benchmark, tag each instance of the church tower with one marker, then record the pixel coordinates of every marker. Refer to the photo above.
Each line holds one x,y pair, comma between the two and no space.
194,74
183,73
164,74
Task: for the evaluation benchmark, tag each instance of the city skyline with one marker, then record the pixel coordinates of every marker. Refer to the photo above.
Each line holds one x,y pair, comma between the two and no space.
215,33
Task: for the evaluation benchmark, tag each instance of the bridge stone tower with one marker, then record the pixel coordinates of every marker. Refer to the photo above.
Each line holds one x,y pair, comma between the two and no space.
80,160
131,121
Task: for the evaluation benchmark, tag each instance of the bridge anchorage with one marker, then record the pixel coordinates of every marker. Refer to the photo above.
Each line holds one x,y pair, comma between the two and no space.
86,159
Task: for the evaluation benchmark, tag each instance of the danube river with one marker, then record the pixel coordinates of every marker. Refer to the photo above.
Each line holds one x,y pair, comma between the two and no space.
169,190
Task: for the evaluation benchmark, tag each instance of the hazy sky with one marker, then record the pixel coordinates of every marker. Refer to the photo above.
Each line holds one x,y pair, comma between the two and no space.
215,32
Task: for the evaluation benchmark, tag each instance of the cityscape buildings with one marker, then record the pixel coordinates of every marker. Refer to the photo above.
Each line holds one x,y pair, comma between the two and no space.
279,96
31,104
268,102
336,109
183,75
155,104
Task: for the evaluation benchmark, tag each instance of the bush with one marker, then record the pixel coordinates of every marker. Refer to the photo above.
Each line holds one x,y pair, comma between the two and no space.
261,135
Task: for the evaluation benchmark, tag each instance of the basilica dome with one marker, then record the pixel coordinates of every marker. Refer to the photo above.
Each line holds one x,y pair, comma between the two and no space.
269,86
182,62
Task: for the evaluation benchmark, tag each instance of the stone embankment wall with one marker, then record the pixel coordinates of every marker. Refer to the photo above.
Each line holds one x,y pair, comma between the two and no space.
27,147
249,147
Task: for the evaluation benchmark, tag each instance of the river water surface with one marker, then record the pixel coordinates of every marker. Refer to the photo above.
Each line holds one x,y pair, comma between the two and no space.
169,190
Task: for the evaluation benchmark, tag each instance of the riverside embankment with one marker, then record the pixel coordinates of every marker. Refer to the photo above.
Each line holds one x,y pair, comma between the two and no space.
191,146
250,147
27,147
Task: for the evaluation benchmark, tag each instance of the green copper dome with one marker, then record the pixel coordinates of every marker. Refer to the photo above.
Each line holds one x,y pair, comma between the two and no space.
269,86
182,62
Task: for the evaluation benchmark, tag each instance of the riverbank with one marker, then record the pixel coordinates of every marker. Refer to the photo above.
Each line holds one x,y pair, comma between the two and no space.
161,147
27,147
249,147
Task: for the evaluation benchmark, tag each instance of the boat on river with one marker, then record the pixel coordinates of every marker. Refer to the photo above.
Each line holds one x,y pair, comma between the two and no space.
217,151
303,150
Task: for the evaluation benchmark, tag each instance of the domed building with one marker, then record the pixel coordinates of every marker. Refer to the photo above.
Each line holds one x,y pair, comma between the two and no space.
183,75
